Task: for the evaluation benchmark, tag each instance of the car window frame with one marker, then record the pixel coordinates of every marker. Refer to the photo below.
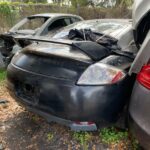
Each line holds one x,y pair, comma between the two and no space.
44,29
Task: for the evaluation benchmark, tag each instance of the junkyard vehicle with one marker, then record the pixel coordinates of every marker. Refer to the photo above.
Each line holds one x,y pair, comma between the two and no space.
139,108
39,24
79,77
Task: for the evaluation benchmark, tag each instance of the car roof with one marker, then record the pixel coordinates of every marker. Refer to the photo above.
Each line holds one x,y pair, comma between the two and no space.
127,21
50,15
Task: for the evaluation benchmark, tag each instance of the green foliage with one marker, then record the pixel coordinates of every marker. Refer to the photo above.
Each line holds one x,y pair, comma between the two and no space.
50,136
134,142
8,11
111,3
112,135
81,3
2,75
83,138
125,3
35,118
30,1
35,1
5,8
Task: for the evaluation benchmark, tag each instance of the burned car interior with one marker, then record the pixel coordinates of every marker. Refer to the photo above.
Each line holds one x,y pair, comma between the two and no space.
40,24
30,24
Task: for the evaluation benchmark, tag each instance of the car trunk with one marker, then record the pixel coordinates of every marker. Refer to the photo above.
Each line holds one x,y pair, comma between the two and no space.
45,76
58,61
69,58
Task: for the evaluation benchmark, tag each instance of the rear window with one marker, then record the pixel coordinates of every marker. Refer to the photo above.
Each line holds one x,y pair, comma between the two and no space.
104,26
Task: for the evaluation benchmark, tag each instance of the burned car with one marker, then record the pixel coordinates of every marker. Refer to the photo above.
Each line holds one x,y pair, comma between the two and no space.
39,24
79,76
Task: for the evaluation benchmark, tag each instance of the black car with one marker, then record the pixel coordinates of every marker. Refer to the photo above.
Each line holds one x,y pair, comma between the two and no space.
78,77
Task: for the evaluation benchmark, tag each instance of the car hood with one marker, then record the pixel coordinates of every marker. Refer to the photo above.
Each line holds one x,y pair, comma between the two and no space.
141,11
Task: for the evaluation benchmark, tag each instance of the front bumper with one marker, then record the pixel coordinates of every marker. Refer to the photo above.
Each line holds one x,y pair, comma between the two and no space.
139,111
64,99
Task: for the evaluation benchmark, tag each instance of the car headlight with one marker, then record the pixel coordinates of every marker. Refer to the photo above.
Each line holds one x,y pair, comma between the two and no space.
101,74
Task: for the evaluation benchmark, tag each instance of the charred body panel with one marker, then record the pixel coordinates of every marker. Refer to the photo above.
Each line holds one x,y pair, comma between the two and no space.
64,99
49,75
48,83
8,46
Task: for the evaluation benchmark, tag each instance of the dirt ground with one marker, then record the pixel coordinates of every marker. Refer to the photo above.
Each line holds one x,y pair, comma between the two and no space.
21,130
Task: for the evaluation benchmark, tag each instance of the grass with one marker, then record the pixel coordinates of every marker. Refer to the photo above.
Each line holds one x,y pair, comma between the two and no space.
50,136
112,135
2,75
83,138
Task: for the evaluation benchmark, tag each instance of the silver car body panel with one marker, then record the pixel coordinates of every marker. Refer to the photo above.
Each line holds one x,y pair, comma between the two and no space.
140,9
139,114
142,57
137,109
51,18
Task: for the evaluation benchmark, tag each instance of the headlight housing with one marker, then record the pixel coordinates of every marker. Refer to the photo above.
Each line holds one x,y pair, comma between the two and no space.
101,74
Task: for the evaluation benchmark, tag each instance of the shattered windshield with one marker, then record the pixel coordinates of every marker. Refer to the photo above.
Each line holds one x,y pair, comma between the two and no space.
111,28
29,24
33,23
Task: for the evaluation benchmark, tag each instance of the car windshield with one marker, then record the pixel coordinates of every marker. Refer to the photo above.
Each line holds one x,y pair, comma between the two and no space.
33,23
108,27
30,24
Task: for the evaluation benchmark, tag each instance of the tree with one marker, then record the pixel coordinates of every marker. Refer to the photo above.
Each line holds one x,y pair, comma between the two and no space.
112,3
33,1
75,3
124,3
